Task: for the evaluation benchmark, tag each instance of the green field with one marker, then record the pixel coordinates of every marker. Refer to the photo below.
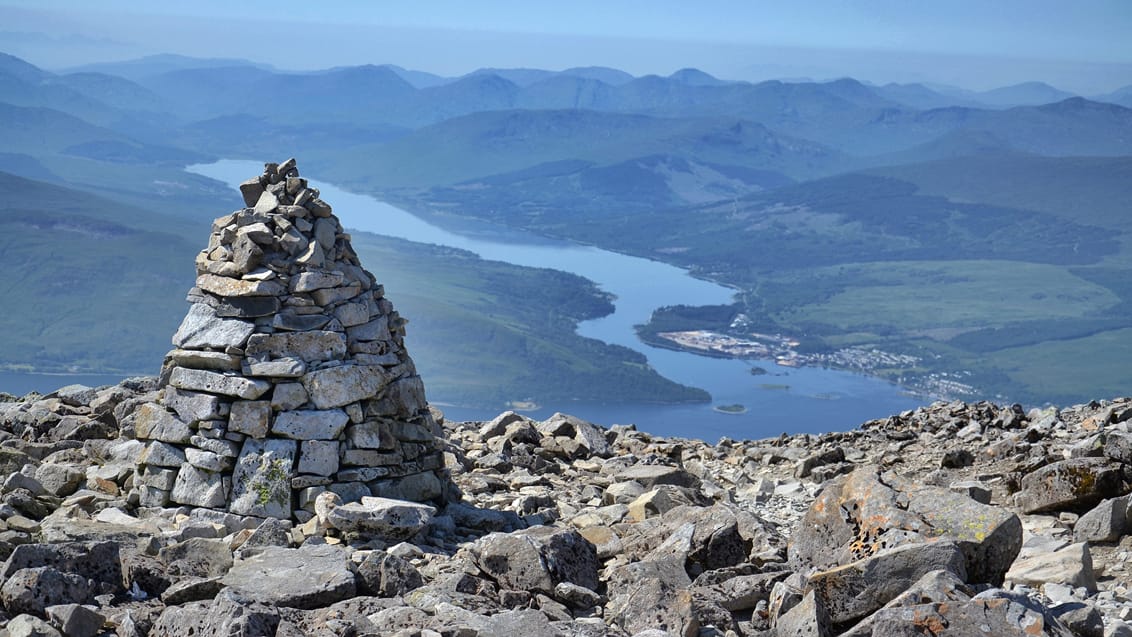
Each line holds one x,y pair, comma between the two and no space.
929,296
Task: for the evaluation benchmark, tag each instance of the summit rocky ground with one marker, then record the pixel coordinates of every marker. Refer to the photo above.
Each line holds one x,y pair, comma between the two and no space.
954,519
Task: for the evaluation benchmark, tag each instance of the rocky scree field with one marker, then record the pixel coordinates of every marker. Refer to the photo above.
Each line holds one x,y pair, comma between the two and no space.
953,519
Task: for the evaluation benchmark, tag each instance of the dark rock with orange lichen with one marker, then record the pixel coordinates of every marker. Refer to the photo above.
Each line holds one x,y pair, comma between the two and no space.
868,511
998,616
1074,484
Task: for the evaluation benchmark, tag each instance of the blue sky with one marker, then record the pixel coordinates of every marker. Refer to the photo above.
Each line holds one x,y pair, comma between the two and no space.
1081,45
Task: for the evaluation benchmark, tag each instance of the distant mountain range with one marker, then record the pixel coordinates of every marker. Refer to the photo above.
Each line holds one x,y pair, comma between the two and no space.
837,209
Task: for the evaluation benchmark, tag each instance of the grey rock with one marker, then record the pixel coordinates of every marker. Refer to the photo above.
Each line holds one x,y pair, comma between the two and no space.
650,476
403,398
318,457
228,286
75,620
342,385
261,482
387,575
1105,522
744,591
202,328
371,435
309,346
309,577
652,594
1071,565
1069,484
192,589
192,406
316,280
247,306
288,396
809,618
31,626
76,395
198,487
383,517
161,454
1082,620
418,487
1118,447
936,586
95,561
853,591
537,559
32,590
278,368
310,424
229,614
213,382
154,422
250,417
59,480
887,511
375,330
196,558
1000,616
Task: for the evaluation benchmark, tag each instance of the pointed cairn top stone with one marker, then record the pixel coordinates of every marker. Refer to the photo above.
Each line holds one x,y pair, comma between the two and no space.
289,375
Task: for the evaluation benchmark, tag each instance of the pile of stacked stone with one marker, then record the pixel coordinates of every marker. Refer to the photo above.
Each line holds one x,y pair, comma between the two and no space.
289,375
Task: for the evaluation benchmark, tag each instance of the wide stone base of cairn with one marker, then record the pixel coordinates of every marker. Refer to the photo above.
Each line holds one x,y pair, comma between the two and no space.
289,375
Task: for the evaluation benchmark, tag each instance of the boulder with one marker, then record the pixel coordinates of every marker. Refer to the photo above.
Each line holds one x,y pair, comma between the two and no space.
312,576
865,512
999,616
1106,522
31,626
809,618
853,591
537,559
1074,484
97,562
652,594
229,613
75,620
387,575
1072,565
32,590
383,517
651,475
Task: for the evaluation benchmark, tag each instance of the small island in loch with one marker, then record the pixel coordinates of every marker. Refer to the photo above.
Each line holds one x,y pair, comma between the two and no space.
734,408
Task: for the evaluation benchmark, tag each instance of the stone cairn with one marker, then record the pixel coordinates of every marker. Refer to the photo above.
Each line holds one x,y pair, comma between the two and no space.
289,375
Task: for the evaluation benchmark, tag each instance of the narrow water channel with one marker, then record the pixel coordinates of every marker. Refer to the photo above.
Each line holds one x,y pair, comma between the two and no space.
785,400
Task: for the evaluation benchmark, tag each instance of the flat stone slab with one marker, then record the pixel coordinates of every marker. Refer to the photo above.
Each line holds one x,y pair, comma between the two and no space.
215,383
203,328
227,286
310,424
385,517
342,385
308,346
308,577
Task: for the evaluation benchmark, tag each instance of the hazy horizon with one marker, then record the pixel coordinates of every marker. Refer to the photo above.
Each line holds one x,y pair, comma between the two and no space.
1080,48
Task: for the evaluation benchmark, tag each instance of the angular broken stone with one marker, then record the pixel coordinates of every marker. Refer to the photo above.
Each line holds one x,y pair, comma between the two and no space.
228,385
383,517
154,422
342,385
310,424
1069,484
198,487
203,328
